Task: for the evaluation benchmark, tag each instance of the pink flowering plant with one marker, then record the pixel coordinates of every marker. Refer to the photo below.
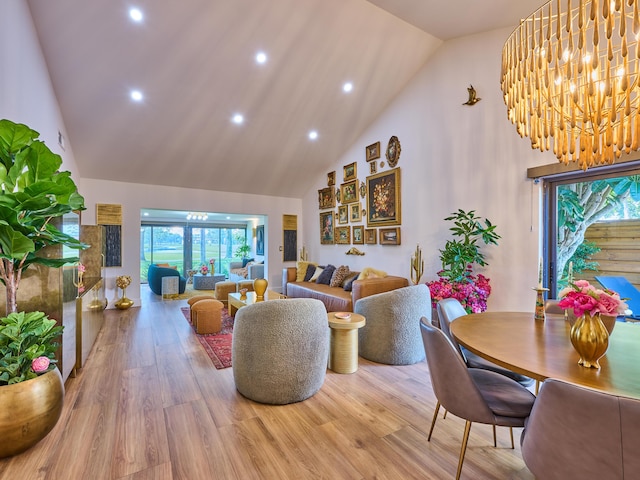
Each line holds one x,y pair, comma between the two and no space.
583,298
472,294
204,269
27,346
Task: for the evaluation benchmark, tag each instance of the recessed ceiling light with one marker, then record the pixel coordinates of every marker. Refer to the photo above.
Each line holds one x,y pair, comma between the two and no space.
237,119
261,57
146,214
136,14
313,135
347,87
136,95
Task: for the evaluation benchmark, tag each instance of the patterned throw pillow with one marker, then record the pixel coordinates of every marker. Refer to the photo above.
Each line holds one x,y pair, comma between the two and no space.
337,279
325,276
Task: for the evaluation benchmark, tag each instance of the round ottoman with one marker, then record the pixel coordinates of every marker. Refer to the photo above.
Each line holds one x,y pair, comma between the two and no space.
223,289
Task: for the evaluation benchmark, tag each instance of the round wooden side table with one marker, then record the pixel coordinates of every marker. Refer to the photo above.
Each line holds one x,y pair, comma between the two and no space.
343,357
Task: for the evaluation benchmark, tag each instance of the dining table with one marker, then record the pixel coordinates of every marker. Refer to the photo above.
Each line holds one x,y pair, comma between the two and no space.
542,349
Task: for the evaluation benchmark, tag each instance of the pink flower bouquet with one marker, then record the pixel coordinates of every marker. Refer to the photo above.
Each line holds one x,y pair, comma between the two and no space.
472,294
583,298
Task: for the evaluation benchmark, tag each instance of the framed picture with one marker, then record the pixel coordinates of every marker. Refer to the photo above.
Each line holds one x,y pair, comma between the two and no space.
350,171
373,151
373,168
356,212
343,236
260,240
326,228
383,199
331,178
363,189
343,214
370,237
358,234
326,198
393,151
390,236
349,192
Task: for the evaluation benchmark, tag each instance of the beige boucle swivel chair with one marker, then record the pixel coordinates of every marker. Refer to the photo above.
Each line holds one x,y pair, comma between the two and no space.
392,332
280,350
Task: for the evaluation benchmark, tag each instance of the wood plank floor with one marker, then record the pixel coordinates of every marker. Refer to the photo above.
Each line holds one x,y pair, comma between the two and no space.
150,405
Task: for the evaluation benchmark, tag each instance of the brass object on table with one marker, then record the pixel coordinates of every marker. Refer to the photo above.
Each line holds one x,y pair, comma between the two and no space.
260,286
417,266
590,338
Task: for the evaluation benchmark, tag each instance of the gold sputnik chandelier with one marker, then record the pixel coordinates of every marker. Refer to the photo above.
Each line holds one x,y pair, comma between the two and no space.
570,79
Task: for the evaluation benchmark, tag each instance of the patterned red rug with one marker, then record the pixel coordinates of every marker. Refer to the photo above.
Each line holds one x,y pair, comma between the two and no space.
217,345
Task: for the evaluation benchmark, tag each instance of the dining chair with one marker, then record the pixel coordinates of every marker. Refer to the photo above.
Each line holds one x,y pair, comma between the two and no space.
473,394
577,432
448,310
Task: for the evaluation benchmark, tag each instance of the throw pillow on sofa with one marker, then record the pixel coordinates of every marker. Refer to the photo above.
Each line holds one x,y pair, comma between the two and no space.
316,274
246,260
369,272
311,269
325,276
301,270
340,273
348,282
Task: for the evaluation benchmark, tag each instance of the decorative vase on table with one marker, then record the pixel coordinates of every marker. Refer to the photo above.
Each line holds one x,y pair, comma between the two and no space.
122,282
260,286
590,338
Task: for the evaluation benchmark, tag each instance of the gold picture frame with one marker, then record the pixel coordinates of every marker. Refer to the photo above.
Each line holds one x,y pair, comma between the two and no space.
373,151
350,172
373,168
356,212
331,178
327,228
343,236
349,192
370,236
326,198
383,199
357,232
393,151
343,214
390,236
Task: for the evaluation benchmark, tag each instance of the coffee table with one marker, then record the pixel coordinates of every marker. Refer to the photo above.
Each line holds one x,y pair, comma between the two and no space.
206,282
343,357
236,302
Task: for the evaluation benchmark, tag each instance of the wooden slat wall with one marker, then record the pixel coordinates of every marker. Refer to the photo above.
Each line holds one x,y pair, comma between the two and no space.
620,254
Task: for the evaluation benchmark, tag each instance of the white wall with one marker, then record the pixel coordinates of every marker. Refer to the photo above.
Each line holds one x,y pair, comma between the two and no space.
134,197
453,156
26,94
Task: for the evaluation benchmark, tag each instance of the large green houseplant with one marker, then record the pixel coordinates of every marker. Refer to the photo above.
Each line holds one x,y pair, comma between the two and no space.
457,279
33,193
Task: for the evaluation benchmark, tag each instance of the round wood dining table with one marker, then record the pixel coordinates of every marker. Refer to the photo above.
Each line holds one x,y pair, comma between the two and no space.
542,349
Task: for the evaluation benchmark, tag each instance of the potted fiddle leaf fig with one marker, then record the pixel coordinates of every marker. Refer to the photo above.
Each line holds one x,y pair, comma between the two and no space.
33,193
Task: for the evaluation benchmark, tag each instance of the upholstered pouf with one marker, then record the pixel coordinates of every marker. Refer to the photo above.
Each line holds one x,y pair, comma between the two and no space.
392,333
195,299
206,316
280,350
248,284
223,289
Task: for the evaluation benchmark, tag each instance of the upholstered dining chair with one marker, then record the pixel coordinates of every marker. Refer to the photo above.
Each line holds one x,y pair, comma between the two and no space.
473,394
448,310
392,332
577,432
280,350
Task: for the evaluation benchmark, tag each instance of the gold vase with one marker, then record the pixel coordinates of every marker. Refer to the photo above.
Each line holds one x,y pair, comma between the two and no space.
590,338
28,411
123,303
260,286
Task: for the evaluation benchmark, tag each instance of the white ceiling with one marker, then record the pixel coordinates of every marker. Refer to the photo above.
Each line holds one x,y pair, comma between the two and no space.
193,59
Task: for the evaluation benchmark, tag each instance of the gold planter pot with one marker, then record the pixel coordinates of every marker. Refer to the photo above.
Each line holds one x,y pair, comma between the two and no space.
28,411
590,338
123,303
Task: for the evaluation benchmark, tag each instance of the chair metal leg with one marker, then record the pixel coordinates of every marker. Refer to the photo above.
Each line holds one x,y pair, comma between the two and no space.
495,444
511,433
444,417
463,449
433,422
537,386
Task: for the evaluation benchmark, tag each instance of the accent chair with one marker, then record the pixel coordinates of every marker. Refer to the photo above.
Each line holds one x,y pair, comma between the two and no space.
156,273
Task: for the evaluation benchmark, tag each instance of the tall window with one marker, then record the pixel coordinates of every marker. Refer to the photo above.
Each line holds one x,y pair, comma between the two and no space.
593,221
188,247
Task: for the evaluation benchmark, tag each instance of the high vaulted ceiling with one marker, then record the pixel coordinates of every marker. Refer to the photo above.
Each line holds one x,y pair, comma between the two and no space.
194,62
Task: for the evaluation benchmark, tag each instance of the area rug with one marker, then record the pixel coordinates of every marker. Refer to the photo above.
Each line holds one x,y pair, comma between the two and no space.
217,345
188,293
